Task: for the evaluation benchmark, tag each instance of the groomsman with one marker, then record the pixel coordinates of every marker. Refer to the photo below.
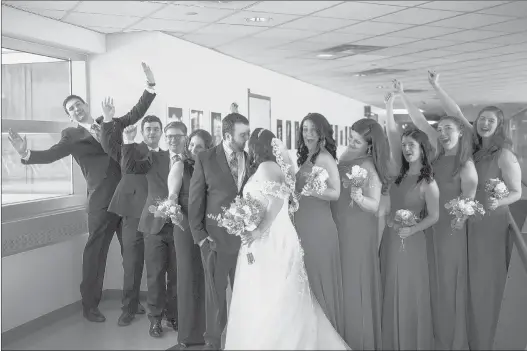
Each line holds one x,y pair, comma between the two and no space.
219,174
102,175
160,254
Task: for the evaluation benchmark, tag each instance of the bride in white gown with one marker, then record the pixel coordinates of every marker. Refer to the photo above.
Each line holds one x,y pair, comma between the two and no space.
272,307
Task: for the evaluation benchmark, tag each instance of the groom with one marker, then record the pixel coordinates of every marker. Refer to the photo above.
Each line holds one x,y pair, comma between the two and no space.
219,174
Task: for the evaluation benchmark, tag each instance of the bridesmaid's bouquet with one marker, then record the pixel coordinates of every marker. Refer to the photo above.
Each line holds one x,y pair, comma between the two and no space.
316,181
356,178
402,219
496,189
243,216
167,209
463,208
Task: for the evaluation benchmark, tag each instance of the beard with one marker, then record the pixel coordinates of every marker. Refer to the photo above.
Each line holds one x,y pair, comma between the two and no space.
237,146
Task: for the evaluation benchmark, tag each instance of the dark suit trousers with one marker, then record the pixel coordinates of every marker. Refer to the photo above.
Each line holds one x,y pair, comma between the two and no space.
190,288
133,263
160,259
101,226
218,266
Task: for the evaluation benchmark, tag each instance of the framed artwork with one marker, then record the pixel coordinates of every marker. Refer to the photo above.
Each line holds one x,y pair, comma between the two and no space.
174,114
336,132
346,136
279,133
288,135
297,133
215,127
341,138
196,120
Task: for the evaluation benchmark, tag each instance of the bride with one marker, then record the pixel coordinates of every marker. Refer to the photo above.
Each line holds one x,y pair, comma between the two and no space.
272,307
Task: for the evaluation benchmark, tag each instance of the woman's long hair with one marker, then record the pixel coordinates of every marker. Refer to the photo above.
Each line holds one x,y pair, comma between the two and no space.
498,140
325,133
372,132
260,148
207,139
426,167
464,151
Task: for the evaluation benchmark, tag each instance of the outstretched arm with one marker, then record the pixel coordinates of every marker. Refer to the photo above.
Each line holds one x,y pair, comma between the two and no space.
54,153
133,161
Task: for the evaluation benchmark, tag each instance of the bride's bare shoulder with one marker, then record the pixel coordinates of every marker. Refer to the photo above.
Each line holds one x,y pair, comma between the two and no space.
270,171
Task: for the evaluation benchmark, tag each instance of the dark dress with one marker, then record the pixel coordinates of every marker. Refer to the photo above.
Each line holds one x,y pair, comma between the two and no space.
447,255
487,261
406,308
319,238
357,231
190,285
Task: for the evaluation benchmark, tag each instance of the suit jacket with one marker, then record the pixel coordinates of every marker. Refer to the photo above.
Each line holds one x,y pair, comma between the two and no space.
102,173
211,187
155,166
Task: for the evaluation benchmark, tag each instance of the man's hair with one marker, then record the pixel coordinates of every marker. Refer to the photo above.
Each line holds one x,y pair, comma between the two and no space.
68,99
150,119
227,125
176,125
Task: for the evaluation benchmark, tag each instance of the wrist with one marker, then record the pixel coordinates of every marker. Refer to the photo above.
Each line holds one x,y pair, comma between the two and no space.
24,154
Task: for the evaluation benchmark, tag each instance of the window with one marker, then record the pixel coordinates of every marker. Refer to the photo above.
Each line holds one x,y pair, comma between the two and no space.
35,81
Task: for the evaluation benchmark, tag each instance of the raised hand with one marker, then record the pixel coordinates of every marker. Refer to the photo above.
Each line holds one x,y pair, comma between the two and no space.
19,143
150,80
234,107
398,86
108,109
389,98
433,78
129,133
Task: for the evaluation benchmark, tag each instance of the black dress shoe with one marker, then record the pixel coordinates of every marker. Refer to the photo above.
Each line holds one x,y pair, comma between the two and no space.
140,309
125,319
94,315
155,329
172,323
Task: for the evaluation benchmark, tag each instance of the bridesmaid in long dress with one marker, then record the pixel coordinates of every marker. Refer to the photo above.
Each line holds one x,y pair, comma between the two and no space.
358,236
313,220
487,238
456,175
406,309
190,287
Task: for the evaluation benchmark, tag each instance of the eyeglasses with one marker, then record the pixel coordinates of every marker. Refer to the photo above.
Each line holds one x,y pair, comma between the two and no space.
176,137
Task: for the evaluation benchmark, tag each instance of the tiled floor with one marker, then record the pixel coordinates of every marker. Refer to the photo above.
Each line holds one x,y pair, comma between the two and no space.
76,333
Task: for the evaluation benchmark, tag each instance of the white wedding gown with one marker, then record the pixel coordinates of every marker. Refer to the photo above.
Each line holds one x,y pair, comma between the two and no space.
272,307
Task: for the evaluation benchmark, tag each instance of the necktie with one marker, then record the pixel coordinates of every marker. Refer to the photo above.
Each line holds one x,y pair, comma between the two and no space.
95,131
233,164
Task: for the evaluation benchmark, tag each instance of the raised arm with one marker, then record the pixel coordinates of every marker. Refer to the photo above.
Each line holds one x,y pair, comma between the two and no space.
54,153
133,161
111,134
198,204
448,104
394,133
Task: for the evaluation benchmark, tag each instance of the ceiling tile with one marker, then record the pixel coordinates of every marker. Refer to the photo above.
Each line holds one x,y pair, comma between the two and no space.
208,40
385,41
233,5
281,33
304,45
358,11
514,9
429,44
417,16
44,5
463,6
397,51
432,53
250,43
318,23
423,32
167,25
398,3
191,13
338,38
243,16
471,20
90,19
508,27
374,28
293,7
468,47
55,14
471,35
229,30
129,8
105,30
508,39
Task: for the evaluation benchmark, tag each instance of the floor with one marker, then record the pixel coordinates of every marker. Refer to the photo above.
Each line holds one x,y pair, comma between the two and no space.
76,333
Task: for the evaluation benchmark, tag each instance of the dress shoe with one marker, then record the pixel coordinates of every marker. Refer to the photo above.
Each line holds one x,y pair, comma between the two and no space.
172,323
155,329
94,315
125,319
140,309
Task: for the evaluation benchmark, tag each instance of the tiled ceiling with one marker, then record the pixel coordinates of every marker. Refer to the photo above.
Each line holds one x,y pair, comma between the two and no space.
479,47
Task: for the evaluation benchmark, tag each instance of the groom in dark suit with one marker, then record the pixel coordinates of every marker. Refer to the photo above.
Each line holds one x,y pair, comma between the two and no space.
219,174
102,175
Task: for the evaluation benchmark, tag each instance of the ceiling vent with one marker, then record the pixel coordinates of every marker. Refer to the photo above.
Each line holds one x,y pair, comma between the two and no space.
378,72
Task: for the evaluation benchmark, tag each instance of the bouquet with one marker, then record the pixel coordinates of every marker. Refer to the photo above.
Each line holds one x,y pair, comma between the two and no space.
316,181
496,189
404,218
356,178
462,208
244,215
168,210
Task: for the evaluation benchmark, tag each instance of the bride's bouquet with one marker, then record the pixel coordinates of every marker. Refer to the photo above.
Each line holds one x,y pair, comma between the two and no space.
496,189
463,208
402,219
357,177
168,210
316,181
243,216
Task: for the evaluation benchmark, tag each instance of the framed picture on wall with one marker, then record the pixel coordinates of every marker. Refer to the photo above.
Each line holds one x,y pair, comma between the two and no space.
288,135
336,133
215,127
196,120
279,133
297,133
174,114
346,136
341,138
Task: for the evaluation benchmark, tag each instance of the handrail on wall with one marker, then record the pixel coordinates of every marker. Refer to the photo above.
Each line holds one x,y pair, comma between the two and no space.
518,240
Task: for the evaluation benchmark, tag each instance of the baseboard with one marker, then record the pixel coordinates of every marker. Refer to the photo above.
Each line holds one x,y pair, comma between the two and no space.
38,323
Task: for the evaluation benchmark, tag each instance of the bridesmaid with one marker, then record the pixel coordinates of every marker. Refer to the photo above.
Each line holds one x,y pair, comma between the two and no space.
456,176
190,285
487,238
358,236
406,309
313,220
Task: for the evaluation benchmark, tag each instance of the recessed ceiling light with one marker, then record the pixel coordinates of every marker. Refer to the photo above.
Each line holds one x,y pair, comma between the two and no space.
258,19
359,75
379,87
325,55
191,13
